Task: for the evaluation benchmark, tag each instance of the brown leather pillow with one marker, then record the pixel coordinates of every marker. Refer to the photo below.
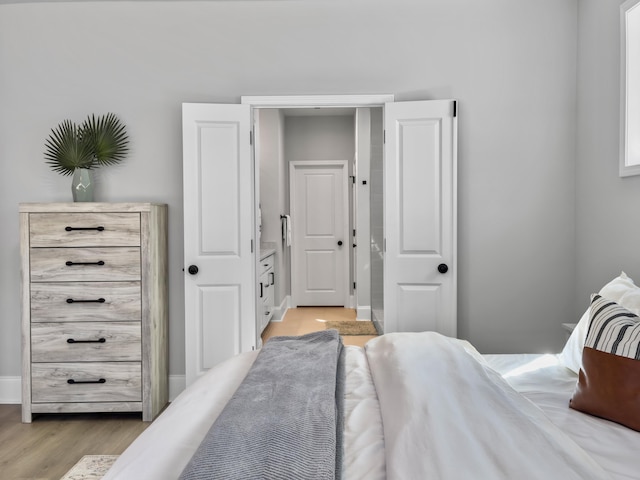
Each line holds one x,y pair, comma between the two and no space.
609,387
609,380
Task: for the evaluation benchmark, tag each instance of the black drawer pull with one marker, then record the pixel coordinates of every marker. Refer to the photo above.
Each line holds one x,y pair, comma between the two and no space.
99,300
70,264
273,278
70,229
72,340
71,381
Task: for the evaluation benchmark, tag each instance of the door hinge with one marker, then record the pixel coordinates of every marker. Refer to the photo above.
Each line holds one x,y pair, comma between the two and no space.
384,136
252,245
455,108
353,178
354,232
250,137
354,285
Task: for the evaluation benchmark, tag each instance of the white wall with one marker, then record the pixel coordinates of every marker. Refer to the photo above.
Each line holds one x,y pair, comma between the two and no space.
510,63
607,207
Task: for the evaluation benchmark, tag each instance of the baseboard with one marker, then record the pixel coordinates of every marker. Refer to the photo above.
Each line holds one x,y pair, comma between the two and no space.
351,303
11,388
177,383
363,313
281,310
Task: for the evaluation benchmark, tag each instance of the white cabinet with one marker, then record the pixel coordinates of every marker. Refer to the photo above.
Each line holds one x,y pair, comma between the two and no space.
267,287
94,322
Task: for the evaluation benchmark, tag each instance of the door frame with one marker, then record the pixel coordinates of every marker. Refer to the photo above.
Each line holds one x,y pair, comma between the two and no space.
310,101
343,166
305,101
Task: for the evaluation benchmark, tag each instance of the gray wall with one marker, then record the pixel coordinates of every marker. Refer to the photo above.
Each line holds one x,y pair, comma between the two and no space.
607,207
327,137
510,63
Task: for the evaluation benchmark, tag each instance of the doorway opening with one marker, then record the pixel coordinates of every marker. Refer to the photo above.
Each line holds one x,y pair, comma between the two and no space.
315,255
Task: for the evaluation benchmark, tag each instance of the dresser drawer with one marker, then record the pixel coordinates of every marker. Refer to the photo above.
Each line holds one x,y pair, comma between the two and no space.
111,382
85,264
266,263
85,302
84,229
84,341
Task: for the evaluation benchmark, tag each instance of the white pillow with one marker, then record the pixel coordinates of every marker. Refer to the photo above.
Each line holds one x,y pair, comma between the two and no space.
621,290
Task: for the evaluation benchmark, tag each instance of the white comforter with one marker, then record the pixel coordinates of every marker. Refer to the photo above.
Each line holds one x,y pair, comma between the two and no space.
448,415
417,406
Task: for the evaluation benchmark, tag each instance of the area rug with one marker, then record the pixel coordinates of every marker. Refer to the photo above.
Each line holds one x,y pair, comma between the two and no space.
90,467
353,327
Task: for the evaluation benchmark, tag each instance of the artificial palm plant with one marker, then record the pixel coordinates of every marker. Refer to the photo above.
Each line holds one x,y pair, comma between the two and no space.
96,142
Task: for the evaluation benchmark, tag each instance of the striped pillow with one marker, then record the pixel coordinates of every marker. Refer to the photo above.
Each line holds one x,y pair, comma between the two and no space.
613,329
609,380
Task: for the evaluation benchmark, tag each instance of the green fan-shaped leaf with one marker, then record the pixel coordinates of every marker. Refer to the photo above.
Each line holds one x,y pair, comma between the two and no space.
66,149
108,137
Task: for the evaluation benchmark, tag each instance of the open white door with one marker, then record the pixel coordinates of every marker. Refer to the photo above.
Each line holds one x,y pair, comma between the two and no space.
219,227
420,217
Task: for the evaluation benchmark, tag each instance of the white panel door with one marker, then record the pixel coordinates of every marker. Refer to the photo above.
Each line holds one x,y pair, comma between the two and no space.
320,240
218,235
420,217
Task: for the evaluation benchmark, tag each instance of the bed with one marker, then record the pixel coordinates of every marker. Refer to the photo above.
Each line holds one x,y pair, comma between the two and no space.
421,405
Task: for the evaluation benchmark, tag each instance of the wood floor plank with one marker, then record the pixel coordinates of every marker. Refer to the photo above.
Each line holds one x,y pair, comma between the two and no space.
303,320
49,446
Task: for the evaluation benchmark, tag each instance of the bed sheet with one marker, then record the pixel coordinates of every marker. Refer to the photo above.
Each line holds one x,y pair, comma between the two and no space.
548,384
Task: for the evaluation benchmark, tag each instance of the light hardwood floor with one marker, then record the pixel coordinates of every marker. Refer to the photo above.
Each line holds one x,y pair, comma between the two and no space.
301,320
47,448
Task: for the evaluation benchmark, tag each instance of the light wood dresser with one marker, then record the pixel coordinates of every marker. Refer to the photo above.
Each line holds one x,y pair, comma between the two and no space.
94,315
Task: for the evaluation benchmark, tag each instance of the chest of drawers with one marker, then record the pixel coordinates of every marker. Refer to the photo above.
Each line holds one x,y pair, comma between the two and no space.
94,317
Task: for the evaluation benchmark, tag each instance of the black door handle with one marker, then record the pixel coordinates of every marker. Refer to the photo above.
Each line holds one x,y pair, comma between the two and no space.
193,269
339,243
443,268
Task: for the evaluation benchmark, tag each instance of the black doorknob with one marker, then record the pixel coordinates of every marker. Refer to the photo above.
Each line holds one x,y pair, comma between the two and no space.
443,268
192,269
339,243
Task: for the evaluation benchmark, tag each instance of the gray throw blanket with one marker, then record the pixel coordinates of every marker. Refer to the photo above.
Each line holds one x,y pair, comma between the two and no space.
285,419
